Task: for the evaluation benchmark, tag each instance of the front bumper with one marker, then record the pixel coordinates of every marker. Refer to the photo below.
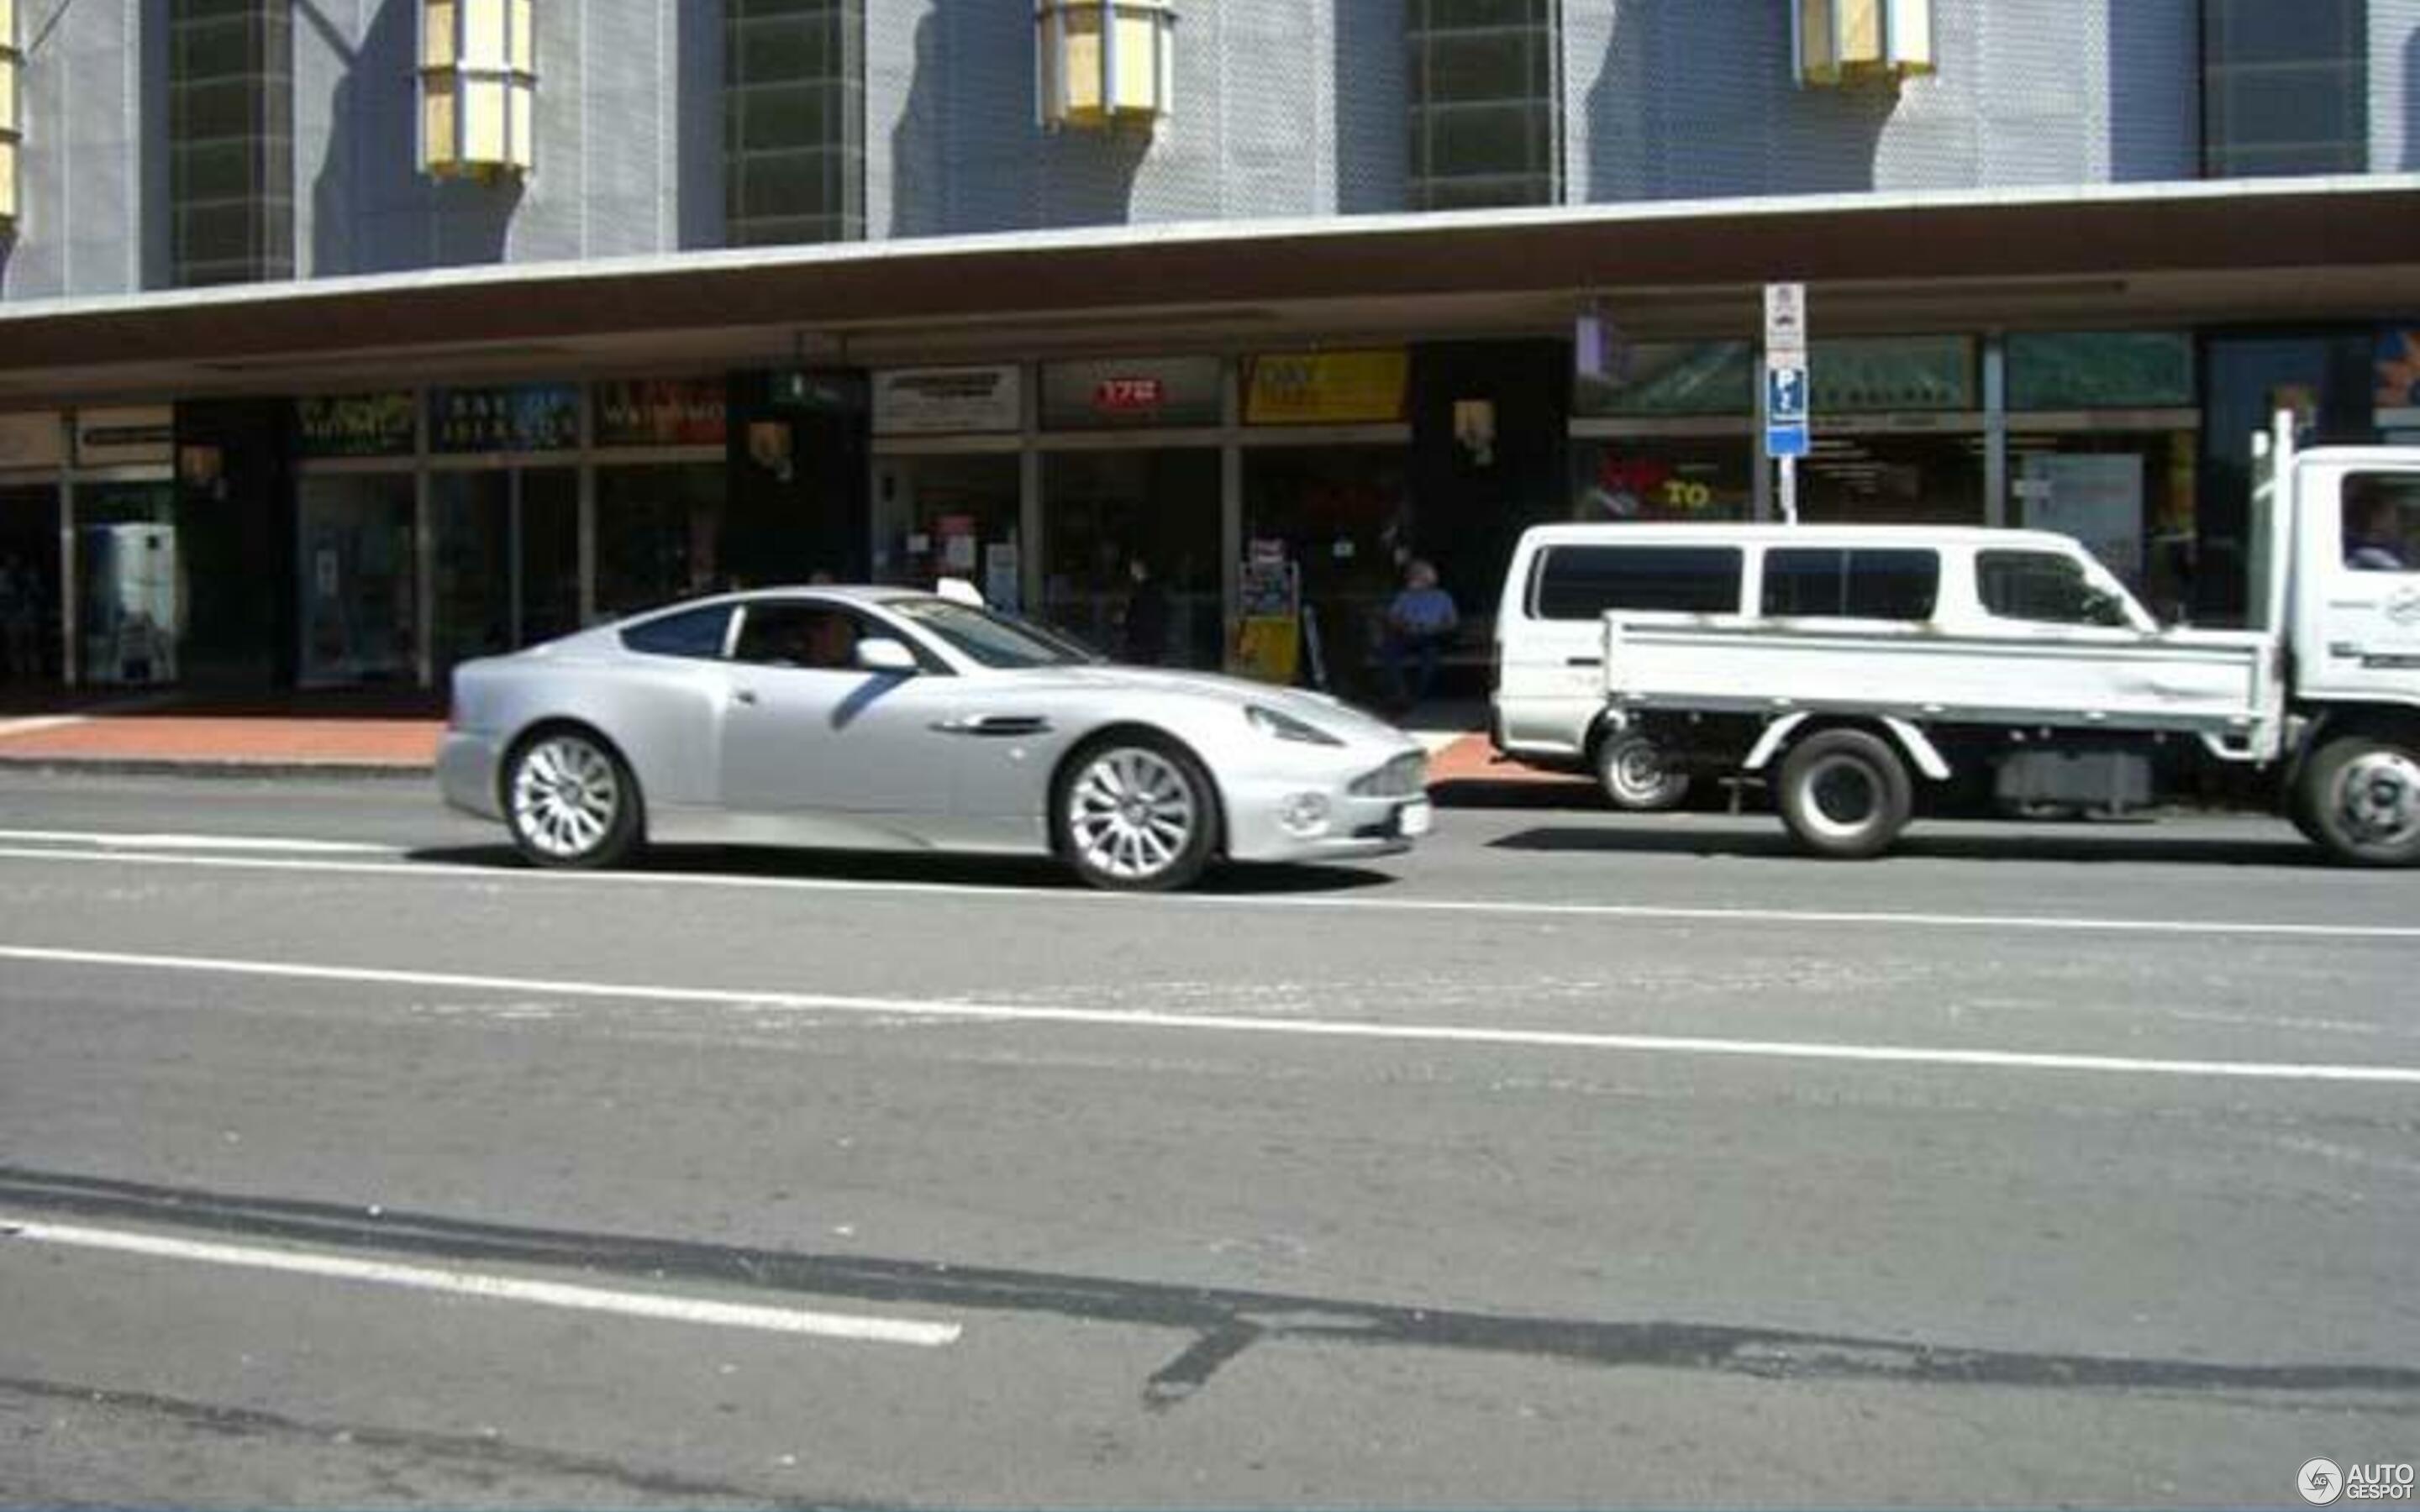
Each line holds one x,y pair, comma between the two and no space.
468,773
1265,816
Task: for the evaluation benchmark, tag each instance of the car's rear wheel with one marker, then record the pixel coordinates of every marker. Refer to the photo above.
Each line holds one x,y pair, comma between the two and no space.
570,800
1845,794
1135,813
1637,772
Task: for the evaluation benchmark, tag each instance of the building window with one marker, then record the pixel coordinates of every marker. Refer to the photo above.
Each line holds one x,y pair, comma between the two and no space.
794,120
1486,121
9,128
231,140
2284,89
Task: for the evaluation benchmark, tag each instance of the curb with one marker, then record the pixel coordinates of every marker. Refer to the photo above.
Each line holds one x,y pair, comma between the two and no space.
232,770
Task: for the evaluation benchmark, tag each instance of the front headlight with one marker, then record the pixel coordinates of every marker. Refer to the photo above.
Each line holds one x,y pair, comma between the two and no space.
1270,721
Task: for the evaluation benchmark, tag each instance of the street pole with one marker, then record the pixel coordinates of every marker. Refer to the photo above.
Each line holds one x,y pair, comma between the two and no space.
1789,490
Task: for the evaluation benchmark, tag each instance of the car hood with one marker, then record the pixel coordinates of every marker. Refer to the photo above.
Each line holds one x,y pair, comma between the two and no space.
1334,716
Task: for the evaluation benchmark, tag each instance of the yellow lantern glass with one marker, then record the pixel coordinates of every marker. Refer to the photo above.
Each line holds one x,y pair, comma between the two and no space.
478,85
1102,61
1849,41
8,126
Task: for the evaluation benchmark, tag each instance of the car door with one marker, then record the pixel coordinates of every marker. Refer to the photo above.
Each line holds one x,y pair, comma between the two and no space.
806,730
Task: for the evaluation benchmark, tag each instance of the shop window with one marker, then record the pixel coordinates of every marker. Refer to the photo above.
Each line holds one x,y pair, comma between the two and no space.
1686,479
1712,378
1487,118
2101,370
1877,375
1582,582
2285,87
793,121
230,141
1851,584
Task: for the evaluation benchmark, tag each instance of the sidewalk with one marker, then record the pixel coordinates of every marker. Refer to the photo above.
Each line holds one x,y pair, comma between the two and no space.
353,732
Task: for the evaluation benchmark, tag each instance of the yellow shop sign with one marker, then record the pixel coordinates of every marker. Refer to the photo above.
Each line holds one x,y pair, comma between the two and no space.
1355,388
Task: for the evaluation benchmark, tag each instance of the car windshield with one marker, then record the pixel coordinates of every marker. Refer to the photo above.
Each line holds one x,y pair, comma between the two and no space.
991,638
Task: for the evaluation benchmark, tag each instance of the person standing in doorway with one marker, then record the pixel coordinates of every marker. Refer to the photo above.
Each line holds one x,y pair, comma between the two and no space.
1146,617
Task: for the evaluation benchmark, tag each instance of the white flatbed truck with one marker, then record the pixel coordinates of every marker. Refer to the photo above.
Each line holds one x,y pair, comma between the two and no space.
2032,680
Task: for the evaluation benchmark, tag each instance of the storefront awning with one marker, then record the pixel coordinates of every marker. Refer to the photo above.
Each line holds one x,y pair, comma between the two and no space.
2136,254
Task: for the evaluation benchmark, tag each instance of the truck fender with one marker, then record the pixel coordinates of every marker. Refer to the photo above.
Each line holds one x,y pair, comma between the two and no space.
1918,747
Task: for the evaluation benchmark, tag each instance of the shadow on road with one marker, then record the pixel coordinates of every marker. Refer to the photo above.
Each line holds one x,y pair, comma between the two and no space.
1020,873
1765,838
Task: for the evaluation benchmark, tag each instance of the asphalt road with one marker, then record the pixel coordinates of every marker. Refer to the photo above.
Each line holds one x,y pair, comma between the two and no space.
1575,1160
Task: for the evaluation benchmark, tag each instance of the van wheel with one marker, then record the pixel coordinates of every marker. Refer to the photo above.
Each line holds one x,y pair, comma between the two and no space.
1636,775
1845,794
2362,796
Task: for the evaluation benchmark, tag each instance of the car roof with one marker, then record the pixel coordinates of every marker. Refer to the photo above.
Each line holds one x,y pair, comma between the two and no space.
1763,532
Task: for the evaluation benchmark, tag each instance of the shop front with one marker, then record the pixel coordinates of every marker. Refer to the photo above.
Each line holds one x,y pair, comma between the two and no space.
1131,487
124,571
663,491
1327,508
503,518
357,490
949,484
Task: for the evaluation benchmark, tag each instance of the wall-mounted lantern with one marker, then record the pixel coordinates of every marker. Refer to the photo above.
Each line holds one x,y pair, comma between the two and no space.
1859,41
479,88
11,132
1103,62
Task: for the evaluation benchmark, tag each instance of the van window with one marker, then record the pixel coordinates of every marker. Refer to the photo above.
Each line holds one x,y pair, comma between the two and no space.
1581,582
1861,584
2044,587
2381,522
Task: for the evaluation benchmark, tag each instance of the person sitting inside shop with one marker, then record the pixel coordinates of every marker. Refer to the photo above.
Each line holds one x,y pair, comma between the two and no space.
1421,625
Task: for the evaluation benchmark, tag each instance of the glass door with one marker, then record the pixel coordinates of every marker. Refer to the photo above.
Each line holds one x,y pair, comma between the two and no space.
357,589
129,584
507,567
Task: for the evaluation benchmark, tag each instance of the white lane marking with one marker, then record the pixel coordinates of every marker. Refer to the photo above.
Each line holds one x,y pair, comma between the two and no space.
34,724
1508,908
493,1288
195,842
951,1009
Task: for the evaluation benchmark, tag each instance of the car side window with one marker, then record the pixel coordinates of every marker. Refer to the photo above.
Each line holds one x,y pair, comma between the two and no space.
1864,583
2044,588
819,637
1581,582
697,633
2381,522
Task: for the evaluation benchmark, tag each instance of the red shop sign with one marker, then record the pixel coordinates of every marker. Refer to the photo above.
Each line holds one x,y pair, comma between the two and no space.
1125,395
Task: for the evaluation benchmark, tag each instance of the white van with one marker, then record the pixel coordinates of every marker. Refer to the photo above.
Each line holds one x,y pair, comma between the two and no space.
1550,707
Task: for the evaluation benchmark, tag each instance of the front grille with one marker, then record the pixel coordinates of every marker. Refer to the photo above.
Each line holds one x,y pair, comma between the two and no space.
1406,777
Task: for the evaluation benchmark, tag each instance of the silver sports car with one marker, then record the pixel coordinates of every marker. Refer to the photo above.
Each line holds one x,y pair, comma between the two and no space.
885,719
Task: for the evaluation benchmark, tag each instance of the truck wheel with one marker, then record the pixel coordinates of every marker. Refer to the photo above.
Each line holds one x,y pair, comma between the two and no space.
1636,774
1845,794
2362,795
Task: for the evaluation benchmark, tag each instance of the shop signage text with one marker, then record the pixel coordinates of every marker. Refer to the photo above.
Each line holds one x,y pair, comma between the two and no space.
354,424
529,417
34,440
1133,393
661,412
125,438
947,400
1350,388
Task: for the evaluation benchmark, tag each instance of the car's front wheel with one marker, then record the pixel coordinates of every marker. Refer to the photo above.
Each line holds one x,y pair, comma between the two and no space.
1135,813
570,800
2362,800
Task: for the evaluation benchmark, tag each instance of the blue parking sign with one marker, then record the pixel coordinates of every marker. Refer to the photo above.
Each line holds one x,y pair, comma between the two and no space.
1785,396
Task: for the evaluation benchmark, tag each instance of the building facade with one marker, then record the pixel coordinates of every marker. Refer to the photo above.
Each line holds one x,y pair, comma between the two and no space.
343,339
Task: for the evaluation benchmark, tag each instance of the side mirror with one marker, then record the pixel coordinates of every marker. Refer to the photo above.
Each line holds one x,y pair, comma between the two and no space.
880,653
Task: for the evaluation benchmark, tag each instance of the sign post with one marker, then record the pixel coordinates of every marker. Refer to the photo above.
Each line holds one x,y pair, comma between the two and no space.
1786,396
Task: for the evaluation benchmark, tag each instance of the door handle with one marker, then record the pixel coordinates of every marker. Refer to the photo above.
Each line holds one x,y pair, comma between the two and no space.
744,695
994,724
